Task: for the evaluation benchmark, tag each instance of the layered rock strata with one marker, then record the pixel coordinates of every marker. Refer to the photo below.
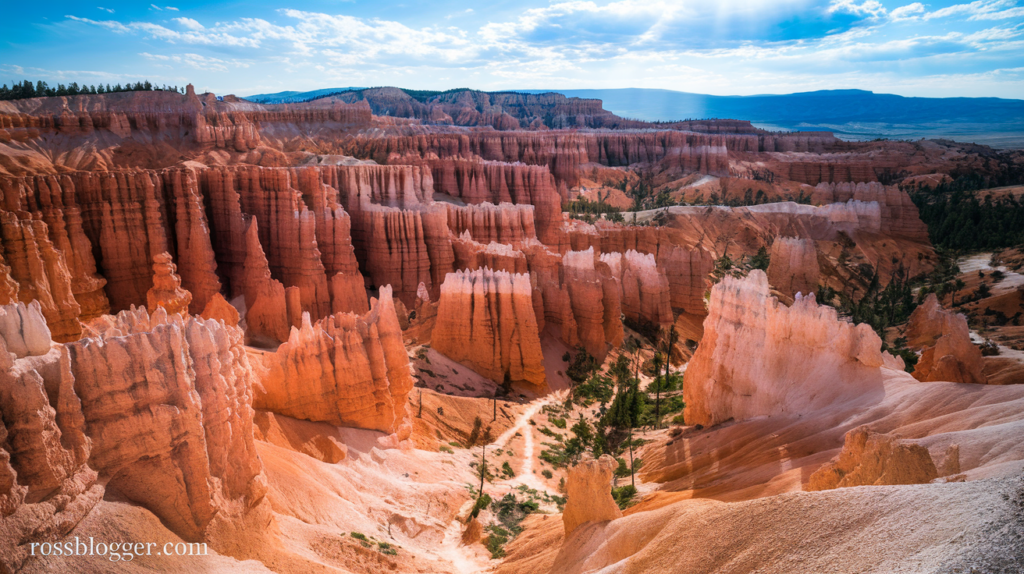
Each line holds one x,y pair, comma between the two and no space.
166,291
346,369
486,320
759,357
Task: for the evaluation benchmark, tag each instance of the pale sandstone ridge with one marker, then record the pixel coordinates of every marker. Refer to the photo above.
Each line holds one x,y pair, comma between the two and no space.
947,353
759,357
588,489
486,320
166,291
899,216
167,403
46,484
346,369
794,266
874,459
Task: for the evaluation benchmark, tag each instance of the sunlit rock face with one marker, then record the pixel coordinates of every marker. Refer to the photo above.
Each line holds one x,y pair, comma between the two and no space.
486,319
589,490
759,357
794,266
346,369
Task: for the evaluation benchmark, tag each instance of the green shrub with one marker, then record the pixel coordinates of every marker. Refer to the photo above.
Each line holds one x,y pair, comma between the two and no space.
623,495
560,423
546,473
446,449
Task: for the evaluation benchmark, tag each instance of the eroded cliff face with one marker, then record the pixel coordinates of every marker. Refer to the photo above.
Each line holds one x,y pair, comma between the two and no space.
947,353
346,369
793,266
167,403
486,319
644,289
759,357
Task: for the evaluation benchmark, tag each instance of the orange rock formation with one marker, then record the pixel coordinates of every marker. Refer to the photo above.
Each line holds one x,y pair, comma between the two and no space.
589,492
793,266
349,370
870,458
486,319
947,353
166,291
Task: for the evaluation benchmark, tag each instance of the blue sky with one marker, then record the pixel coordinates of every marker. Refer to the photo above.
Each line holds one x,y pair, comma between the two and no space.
725,47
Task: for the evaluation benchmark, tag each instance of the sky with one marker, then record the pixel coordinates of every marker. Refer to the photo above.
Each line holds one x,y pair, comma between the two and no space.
722,47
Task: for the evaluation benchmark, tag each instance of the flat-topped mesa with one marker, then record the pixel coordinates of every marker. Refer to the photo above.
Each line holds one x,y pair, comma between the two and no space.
487,223
498,256
644,289
793,266
52,199
46,484
498,182
406,247
947,352
589,491
41,274
486,320
899,215
346,369
759,357
166,291
167,403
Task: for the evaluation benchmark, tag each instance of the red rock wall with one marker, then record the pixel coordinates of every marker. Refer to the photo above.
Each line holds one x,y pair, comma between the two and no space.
489,223
486,320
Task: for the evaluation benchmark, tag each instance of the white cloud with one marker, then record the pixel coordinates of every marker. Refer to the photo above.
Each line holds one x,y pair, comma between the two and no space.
980,10
188,23
908,12
155,7
197,61
110,10
171,8
868,8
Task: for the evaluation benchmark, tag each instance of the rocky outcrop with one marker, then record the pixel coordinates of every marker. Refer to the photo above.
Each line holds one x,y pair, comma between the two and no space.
167,403
477,182
761,358
947,353
266,316
593,298
346,369
644,289
41,274
899,215
589,493
487,223
406,247
486,320
498,256
46,484
53,199
793,266
166,291
874,459
218,309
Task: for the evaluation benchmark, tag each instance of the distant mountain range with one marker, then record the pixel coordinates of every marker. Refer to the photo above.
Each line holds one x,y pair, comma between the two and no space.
850,114
292,97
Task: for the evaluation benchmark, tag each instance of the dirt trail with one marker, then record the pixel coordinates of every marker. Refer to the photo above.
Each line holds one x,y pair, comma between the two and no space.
468,560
